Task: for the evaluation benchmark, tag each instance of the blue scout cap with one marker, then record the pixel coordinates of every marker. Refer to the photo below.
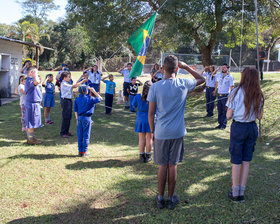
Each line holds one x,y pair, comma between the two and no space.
83,89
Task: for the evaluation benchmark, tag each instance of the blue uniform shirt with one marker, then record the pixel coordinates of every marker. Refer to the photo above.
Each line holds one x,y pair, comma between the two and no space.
142,107
33,93
49,88
159,75
210,79
84,105
110,87
224,83
238,107
170,96
88,83
25,71
126,73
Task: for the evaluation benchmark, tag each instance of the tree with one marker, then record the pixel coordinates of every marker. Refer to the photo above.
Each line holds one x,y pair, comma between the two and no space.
38,8
29,32
198,20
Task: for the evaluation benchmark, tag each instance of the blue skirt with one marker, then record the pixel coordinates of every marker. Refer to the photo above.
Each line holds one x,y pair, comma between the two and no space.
142,126
32,115
49,100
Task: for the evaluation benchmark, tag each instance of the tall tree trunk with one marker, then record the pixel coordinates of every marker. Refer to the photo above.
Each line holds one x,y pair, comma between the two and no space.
206,56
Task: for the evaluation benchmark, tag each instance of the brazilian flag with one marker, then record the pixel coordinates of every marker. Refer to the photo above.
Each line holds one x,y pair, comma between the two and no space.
140,41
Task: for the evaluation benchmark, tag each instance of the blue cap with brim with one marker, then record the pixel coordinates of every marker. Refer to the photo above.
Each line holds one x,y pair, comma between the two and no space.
63,65
83,89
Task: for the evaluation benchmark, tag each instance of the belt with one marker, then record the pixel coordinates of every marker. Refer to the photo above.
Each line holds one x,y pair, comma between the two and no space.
222,94
251,122
66,99
208,87
83,115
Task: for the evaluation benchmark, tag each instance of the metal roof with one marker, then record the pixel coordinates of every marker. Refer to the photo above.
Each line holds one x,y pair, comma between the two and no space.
24,43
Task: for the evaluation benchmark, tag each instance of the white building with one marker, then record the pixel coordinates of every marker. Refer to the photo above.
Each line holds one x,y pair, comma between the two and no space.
11,54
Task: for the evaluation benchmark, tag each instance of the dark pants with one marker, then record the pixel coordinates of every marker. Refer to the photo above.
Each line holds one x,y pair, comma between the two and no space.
83,133
95,86
261,68
108,102
132,108
210,100
222,118
66,106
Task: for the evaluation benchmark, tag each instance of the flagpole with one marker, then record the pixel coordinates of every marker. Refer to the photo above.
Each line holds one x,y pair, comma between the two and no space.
258,57
161,5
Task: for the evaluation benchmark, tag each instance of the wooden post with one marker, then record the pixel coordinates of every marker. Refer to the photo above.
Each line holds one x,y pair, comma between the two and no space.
230,52
37,57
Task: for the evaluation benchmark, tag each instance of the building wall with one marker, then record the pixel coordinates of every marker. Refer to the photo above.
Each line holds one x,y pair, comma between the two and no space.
9,84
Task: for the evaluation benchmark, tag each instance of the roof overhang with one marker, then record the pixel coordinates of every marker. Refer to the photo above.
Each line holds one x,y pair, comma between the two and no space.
24,43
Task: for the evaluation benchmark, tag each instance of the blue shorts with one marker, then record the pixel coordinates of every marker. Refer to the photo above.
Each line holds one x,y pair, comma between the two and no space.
32,115
125,87
243,137
49,100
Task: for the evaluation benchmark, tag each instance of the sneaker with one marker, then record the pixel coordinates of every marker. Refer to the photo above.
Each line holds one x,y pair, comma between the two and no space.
148,157
87,153
160,203
231,197
241,198
33,141
171,204
69,134
80,154
64,136
143,158
218,127
223,127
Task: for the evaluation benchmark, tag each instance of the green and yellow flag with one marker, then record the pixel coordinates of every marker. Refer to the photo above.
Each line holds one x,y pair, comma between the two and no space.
140,41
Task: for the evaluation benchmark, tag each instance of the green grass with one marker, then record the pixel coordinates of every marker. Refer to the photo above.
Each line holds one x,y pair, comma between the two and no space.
49,184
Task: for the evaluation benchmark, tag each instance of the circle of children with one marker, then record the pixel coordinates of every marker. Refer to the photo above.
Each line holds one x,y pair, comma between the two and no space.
160,113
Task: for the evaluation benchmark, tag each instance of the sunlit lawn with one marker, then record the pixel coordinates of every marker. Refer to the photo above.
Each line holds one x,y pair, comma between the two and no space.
50,184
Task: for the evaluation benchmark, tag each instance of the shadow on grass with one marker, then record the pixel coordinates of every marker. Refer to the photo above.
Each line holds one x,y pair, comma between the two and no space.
201,184
112,130
41,156
85,213
265,83
111,163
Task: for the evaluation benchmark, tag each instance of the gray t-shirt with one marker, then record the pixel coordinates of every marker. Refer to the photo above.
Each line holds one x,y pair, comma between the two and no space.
170,96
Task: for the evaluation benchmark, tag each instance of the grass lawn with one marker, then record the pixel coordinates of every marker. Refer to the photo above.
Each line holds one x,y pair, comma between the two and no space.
50,184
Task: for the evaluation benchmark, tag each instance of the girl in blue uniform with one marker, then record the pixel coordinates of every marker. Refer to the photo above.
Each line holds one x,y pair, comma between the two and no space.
49,97
245,105
88,83
142,124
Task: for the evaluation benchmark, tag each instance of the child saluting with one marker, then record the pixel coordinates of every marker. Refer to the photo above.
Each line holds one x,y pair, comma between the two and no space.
84,107
245,105
109,93
49,97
